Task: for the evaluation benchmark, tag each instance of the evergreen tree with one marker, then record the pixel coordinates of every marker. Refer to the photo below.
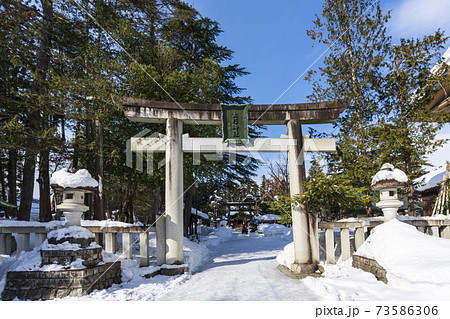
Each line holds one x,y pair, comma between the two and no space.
407,134
354,31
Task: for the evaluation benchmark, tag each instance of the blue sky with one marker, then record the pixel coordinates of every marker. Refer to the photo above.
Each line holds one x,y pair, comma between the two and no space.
269,39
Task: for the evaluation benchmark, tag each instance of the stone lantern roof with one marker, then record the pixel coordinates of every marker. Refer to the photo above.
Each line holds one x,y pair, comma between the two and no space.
389,177
70,179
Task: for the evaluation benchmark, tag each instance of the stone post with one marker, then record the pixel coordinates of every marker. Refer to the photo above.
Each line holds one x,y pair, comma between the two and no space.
109,243
160,239
143,250
23,243
3,244
127,245
39,238
174,192
345,244
303,257
329,246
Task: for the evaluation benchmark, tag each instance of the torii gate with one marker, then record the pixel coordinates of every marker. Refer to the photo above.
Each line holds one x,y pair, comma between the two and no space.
174,143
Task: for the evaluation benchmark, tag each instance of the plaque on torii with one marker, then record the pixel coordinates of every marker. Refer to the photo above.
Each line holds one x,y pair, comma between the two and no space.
174,143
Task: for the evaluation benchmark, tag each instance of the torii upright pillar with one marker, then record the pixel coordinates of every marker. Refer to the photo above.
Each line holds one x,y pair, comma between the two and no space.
174,192
305,248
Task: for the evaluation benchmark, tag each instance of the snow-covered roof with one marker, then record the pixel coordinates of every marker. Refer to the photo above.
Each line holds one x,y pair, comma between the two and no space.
194,211
268,217
80,178
430,180
389,173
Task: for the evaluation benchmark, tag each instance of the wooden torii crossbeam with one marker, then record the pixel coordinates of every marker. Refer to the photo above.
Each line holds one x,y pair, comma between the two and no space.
139,110
174,143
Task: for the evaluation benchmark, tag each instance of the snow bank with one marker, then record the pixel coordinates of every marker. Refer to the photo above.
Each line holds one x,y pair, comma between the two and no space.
268,217
195,254
270,230
217,236
286,257
408,254
80,178
388,172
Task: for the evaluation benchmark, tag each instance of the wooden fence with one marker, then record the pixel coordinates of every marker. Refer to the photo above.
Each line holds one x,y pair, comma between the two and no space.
361,230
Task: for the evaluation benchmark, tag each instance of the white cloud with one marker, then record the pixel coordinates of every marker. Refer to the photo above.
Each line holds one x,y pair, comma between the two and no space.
416,18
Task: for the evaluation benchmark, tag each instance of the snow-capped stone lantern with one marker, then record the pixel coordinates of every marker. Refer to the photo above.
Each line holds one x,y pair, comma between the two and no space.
74,185
387,181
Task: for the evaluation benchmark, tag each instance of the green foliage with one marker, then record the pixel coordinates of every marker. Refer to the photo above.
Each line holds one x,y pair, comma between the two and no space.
386,87
356,35
150,49
407,133
332,196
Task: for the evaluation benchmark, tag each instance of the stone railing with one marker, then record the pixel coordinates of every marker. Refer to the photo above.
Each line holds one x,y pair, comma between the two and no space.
8,243
112,244
361,230
21,241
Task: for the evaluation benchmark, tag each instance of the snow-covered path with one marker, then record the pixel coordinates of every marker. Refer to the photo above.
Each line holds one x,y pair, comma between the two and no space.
244,268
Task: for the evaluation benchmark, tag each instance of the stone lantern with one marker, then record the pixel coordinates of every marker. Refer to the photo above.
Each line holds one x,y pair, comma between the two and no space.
73,206
74,185
388,180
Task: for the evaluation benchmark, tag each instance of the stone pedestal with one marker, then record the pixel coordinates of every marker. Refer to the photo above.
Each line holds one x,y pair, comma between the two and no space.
47,285
173,270
64,246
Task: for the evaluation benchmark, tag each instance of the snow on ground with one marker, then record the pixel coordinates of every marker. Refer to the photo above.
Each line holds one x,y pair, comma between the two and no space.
408,254
244,268
226,265
418,268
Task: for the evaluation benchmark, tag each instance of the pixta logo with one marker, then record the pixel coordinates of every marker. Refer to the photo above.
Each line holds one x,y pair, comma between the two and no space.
212,149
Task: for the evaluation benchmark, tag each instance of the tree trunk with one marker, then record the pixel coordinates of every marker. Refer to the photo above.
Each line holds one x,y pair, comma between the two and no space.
129,206
12,181
187,212
43,61
44,187
155,208
409,187
2,181
26,193
76,155
99,212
